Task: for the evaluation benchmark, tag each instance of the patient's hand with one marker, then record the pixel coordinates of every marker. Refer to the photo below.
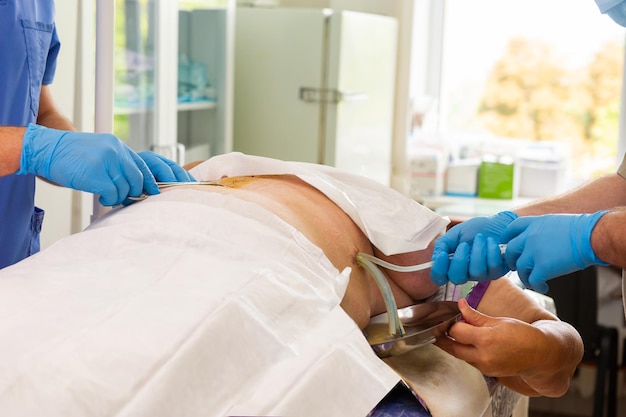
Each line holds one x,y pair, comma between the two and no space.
489,343
533,359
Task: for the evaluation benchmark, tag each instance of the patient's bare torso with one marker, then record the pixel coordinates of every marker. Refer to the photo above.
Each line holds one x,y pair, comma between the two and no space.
332,230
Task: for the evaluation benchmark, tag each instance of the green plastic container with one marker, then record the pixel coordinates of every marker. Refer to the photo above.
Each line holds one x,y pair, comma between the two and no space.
496,180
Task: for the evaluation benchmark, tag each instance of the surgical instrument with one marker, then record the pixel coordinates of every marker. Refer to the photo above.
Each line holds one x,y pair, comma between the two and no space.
169,184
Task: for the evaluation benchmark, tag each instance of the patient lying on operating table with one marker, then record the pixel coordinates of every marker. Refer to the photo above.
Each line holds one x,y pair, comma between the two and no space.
242,299
511,337
332,230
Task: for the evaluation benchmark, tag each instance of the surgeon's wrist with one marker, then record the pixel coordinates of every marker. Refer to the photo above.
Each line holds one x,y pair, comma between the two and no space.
28,151
38,146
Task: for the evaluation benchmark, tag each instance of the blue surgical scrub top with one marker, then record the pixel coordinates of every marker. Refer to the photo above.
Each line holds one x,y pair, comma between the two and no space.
28,51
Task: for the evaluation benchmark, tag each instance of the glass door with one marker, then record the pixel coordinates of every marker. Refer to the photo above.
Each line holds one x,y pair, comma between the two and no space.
134,73
205,73
171,83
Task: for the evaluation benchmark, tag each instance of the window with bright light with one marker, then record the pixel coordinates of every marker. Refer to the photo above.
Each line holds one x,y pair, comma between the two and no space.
534,71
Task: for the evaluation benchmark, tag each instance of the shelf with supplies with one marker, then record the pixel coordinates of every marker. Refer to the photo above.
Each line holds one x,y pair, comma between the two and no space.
197,105
187,106
172,76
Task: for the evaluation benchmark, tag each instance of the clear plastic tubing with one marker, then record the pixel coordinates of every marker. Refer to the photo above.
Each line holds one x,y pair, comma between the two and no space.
395,326
410,268
394,267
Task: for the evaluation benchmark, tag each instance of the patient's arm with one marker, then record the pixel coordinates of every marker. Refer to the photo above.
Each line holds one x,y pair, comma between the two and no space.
514,339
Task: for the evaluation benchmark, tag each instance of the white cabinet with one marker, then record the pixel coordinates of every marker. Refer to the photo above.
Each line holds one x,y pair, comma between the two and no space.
316,85
172,66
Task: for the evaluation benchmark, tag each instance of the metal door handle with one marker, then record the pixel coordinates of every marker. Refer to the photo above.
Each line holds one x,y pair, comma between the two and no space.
318,95
352,96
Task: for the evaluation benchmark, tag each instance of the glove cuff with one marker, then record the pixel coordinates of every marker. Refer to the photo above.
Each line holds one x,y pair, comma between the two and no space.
510,215
589,256
39,144
26,158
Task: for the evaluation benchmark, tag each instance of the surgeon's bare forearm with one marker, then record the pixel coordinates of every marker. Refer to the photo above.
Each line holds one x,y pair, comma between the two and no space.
10,149
56,121
541,362
49,115
11,137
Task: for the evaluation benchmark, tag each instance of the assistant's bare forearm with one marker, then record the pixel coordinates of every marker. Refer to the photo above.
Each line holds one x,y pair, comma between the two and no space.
603,193
559,350
607,238
546,350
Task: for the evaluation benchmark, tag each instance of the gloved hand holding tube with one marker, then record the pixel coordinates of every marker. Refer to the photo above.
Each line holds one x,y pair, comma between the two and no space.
95,163
540,248
475,245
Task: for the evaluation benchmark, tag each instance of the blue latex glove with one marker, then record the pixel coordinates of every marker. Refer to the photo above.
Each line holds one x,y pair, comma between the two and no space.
164,169
474,244
545,247
616,9
95,163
